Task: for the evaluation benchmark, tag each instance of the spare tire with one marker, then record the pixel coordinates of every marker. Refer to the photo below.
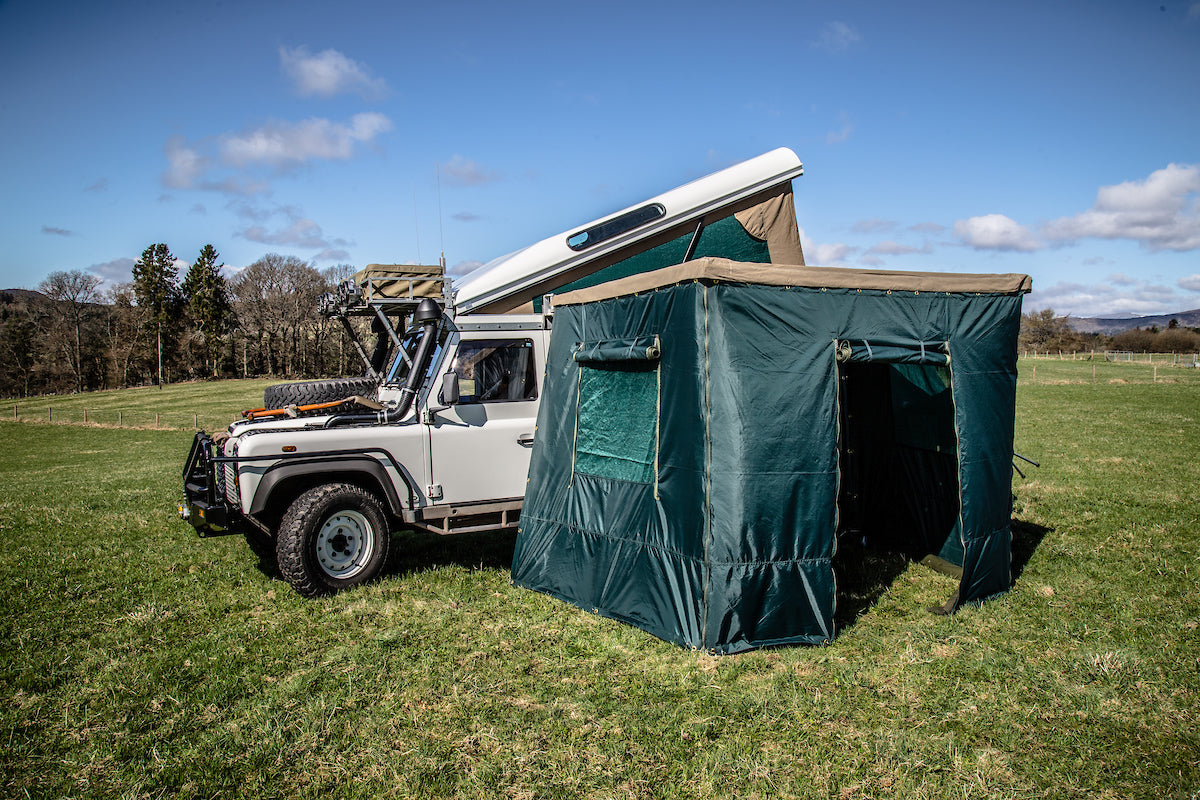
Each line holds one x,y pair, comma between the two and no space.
304,393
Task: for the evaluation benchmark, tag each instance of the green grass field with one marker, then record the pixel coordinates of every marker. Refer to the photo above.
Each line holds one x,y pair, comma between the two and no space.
142,661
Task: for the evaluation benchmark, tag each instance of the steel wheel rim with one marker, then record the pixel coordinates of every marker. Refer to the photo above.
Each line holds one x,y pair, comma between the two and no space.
344,544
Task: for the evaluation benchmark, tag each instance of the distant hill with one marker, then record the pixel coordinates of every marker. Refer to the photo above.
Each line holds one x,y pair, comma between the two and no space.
1111,325
22,294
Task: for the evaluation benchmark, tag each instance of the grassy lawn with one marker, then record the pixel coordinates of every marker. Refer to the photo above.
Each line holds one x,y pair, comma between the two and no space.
142,661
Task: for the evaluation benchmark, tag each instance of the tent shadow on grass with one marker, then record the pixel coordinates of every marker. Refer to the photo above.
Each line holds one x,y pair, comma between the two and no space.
865,573
1026,536
417,551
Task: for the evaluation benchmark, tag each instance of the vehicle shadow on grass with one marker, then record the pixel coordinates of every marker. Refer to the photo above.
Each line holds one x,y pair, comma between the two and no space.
865,573
418,551
411,551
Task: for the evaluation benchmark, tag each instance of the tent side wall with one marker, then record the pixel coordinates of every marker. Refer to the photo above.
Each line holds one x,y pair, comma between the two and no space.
772,383
617,547
984,369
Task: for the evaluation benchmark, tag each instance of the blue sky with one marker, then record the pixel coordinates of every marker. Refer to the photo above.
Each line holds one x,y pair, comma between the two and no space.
1058,139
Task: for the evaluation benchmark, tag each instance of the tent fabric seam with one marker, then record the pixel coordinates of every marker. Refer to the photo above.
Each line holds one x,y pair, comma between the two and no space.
683,556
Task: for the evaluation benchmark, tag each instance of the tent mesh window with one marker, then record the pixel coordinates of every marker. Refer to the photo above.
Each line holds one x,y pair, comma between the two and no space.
616,433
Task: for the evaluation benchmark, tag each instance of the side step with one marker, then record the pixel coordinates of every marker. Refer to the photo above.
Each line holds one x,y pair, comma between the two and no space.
472,518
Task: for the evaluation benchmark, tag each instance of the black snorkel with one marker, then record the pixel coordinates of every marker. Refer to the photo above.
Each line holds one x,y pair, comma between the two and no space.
428,315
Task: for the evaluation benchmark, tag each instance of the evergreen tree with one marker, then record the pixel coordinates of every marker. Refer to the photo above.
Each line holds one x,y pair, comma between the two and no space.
207,296
154,284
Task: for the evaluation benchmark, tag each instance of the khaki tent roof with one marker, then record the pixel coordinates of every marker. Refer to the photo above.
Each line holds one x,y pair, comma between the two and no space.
726,271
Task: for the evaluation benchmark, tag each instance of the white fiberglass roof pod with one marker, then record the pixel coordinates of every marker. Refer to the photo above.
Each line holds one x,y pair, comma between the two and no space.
758,190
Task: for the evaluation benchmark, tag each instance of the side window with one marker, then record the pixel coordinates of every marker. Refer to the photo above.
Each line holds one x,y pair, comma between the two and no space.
616,427
495,371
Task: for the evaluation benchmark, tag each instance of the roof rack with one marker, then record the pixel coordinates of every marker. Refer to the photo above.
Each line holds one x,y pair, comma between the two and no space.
391,288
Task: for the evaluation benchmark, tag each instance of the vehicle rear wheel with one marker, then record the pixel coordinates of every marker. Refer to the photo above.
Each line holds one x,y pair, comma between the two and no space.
332,537
303,393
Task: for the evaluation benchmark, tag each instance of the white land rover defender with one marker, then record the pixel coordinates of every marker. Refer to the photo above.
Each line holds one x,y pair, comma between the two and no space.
437,434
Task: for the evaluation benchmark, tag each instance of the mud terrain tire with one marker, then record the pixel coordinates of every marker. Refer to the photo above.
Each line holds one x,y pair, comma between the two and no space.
332,537
304,393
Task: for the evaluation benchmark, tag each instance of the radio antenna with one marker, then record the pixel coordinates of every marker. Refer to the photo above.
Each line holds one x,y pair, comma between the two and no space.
441,233
416,225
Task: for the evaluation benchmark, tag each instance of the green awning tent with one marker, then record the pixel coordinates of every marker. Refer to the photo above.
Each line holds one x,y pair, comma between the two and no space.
707,430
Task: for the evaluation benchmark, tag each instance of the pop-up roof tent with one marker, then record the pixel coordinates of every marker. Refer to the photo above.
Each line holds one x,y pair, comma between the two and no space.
707,430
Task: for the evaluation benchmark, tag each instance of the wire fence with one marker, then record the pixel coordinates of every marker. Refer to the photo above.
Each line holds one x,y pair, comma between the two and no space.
112,418
1117,356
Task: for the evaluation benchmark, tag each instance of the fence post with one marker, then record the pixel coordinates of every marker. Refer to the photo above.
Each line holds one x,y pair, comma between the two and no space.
119,421
195,420
1093,372
85,416
49,414
1156,373
156,419
1035,373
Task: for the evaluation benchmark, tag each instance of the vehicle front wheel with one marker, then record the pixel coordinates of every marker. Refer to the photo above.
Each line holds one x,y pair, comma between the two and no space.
332,537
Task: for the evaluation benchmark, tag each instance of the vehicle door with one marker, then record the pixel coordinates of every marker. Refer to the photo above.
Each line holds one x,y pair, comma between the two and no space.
480,447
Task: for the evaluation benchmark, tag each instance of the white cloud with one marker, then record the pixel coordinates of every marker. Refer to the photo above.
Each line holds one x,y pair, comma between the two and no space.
283,144
873,225
1190,283
329,73
1121,279
1161,212
841,134
119,270
822,255
836,37
890,248
303,233
833,254
927,227
185,165
464,267
1106,299
332,254
52,231
464,172
995,232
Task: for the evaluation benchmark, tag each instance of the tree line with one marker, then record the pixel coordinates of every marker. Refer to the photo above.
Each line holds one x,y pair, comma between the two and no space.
1043,332
159,327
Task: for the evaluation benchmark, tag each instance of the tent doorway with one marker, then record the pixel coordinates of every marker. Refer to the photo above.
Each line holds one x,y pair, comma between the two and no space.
898,459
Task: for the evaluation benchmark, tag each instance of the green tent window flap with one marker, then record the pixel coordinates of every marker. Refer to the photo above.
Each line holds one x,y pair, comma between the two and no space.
616,433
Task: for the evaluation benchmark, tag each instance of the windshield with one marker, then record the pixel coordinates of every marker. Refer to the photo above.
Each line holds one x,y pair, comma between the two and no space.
408,351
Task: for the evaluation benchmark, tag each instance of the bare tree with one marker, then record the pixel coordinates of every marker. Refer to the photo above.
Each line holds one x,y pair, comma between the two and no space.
73,297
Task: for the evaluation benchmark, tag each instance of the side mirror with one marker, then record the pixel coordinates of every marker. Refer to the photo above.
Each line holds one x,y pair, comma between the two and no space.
449,393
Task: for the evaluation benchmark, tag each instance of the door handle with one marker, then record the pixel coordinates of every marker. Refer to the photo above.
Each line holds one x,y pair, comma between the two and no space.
525,438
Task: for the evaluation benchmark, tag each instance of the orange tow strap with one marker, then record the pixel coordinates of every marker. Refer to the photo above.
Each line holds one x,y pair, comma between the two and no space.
260,413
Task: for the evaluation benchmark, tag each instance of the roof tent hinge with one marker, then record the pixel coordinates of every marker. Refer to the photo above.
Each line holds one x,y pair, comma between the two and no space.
691,248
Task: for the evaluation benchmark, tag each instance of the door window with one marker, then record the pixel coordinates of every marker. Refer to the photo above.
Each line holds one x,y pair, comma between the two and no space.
495,371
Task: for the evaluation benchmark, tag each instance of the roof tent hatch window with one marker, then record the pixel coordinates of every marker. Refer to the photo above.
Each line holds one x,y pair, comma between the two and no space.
616,428
725,238
615,227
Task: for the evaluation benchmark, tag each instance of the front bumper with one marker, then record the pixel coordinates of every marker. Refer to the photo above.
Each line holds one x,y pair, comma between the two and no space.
204,506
